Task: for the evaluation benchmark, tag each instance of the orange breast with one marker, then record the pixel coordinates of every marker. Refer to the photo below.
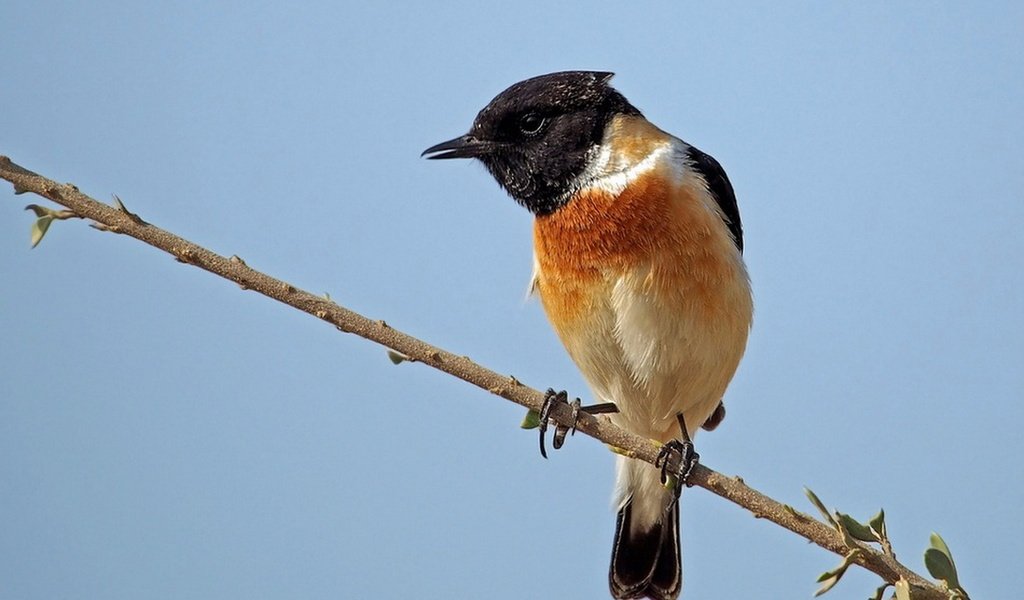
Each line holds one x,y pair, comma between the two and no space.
657,224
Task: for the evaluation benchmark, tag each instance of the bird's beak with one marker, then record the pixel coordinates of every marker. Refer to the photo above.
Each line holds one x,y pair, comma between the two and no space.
465,146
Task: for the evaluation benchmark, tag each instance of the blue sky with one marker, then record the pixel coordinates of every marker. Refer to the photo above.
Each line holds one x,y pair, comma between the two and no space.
166,435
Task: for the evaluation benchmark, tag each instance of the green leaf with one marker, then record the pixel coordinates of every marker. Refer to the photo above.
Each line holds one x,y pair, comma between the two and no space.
829,579
936,541
39,228
531,420
819,505
941,567
938,559
41,211
878,525
857,530
830,582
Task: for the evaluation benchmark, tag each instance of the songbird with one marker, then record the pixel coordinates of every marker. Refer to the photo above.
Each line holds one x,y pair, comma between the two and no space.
638,264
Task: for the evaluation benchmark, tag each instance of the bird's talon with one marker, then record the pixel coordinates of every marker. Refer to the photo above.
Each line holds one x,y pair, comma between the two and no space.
688,458
551,397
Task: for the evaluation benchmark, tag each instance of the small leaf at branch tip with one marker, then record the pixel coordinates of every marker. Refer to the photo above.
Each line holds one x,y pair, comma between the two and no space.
857,530
936,541
831,578
397,357
531,420
939,562
829,583
39,228
877,523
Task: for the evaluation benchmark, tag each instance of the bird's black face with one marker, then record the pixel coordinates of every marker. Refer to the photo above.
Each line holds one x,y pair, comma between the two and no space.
536,137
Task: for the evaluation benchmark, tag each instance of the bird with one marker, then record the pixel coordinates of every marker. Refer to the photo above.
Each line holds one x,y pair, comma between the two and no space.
638,263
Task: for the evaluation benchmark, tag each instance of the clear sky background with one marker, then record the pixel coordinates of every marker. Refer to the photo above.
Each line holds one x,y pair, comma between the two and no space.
164,434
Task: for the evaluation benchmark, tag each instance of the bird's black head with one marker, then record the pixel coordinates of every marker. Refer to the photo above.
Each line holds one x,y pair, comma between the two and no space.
536,137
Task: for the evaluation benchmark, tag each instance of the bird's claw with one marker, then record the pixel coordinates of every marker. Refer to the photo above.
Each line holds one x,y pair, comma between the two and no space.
551,397
688,459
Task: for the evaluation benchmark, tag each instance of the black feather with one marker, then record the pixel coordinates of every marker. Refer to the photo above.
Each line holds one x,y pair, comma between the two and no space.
646,564
721,189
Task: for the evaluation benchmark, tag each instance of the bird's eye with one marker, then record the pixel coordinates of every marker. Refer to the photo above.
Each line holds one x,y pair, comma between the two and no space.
531,123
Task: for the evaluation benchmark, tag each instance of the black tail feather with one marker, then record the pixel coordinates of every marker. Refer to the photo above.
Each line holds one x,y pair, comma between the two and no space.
646,564
667,580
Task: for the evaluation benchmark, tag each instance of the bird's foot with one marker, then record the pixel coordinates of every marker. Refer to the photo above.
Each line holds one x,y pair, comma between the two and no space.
551,397
688,459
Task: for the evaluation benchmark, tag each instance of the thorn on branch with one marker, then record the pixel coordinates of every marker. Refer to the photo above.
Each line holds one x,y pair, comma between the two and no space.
120,206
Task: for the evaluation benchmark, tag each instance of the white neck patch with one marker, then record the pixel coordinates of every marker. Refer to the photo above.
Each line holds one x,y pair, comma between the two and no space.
608,173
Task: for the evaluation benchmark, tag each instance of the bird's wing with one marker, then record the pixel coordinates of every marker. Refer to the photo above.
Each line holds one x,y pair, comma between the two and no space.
721,189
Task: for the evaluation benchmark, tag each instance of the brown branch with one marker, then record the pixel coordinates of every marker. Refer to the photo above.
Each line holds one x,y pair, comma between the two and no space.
119,220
